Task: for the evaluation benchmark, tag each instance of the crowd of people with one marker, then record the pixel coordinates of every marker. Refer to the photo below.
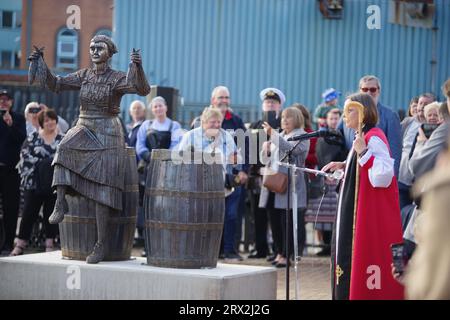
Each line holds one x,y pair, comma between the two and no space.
28,145
373,207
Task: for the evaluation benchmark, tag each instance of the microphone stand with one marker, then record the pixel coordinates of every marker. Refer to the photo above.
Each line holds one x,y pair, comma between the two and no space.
291,179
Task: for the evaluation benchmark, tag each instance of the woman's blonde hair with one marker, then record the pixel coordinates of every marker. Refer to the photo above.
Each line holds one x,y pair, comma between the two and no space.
211,112
296,114
158,99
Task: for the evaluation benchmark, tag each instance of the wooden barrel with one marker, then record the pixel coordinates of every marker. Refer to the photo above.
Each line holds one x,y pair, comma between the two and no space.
184,206
78,230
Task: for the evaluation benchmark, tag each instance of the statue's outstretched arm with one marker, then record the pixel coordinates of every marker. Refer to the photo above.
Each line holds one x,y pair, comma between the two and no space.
39,69
136,81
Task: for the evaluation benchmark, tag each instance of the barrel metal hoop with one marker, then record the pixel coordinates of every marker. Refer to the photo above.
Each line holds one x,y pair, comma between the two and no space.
195,157
183,226
131,188
78,255
161,154
185,194
89,220
130,151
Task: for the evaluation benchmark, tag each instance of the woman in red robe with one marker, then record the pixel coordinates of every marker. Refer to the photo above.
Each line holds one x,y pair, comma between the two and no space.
368,221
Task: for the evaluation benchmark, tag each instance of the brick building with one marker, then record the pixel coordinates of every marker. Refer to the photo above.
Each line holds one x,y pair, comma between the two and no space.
49,24
10,32
45,24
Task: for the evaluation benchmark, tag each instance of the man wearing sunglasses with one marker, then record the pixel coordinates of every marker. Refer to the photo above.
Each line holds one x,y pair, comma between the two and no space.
389,121
12,135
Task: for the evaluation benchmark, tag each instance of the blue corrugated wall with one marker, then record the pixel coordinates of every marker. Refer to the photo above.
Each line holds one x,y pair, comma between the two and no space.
248,45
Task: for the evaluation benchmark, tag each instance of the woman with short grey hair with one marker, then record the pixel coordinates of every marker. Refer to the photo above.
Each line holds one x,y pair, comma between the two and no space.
276,203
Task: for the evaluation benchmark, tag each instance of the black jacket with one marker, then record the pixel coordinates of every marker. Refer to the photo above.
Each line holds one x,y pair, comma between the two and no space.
11,139
232,121
328,150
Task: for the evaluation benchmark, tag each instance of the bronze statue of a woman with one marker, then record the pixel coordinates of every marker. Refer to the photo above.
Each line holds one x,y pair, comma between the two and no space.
89,161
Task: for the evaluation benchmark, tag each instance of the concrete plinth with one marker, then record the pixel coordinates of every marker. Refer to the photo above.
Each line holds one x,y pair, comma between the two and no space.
49,276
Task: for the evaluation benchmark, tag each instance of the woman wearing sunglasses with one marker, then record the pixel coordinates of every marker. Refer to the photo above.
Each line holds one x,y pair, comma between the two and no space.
368,217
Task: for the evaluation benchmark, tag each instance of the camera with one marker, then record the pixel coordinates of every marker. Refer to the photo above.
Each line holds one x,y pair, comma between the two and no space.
2,112
398,257
34,110
271,118
428,129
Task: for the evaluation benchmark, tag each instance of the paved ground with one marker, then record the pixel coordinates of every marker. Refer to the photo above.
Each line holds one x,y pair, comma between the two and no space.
313,278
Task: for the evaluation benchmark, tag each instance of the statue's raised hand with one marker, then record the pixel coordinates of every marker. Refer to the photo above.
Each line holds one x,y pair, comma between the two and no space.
135,75
136,56
35,68
36,53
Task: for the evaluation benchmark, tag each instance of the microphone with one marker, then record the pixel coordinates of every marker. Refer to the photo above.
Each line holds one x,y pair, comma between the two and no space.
315,134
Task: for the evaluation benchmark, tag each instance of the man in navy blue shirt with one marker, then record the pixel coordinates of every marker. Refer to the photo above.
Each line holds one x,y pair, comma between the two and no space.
12,134
389,121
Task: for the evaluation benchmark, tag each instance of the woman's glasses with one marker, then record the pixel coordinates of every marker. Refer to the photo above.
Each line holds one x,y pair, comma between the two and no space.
373,89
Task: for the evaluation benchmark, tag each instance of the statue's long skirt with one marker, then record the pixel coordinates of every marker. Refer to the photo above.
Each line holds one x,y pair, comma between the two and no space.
91,160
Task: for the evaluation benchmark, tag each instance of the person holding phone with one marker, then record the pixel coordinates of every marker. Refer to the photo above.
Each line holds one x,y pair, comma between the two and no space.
12,135
368,218
432,119
272,100
427,150
276,202
410,133
32,110
426,129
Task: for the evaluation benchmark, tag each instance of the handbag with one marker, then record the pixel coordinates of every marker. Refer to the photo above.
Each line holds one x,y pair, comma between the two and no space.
275,181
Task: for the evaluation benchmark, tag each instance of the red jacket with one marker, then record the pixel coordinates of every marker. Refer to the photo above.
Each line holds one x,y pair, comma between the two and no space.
311,159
